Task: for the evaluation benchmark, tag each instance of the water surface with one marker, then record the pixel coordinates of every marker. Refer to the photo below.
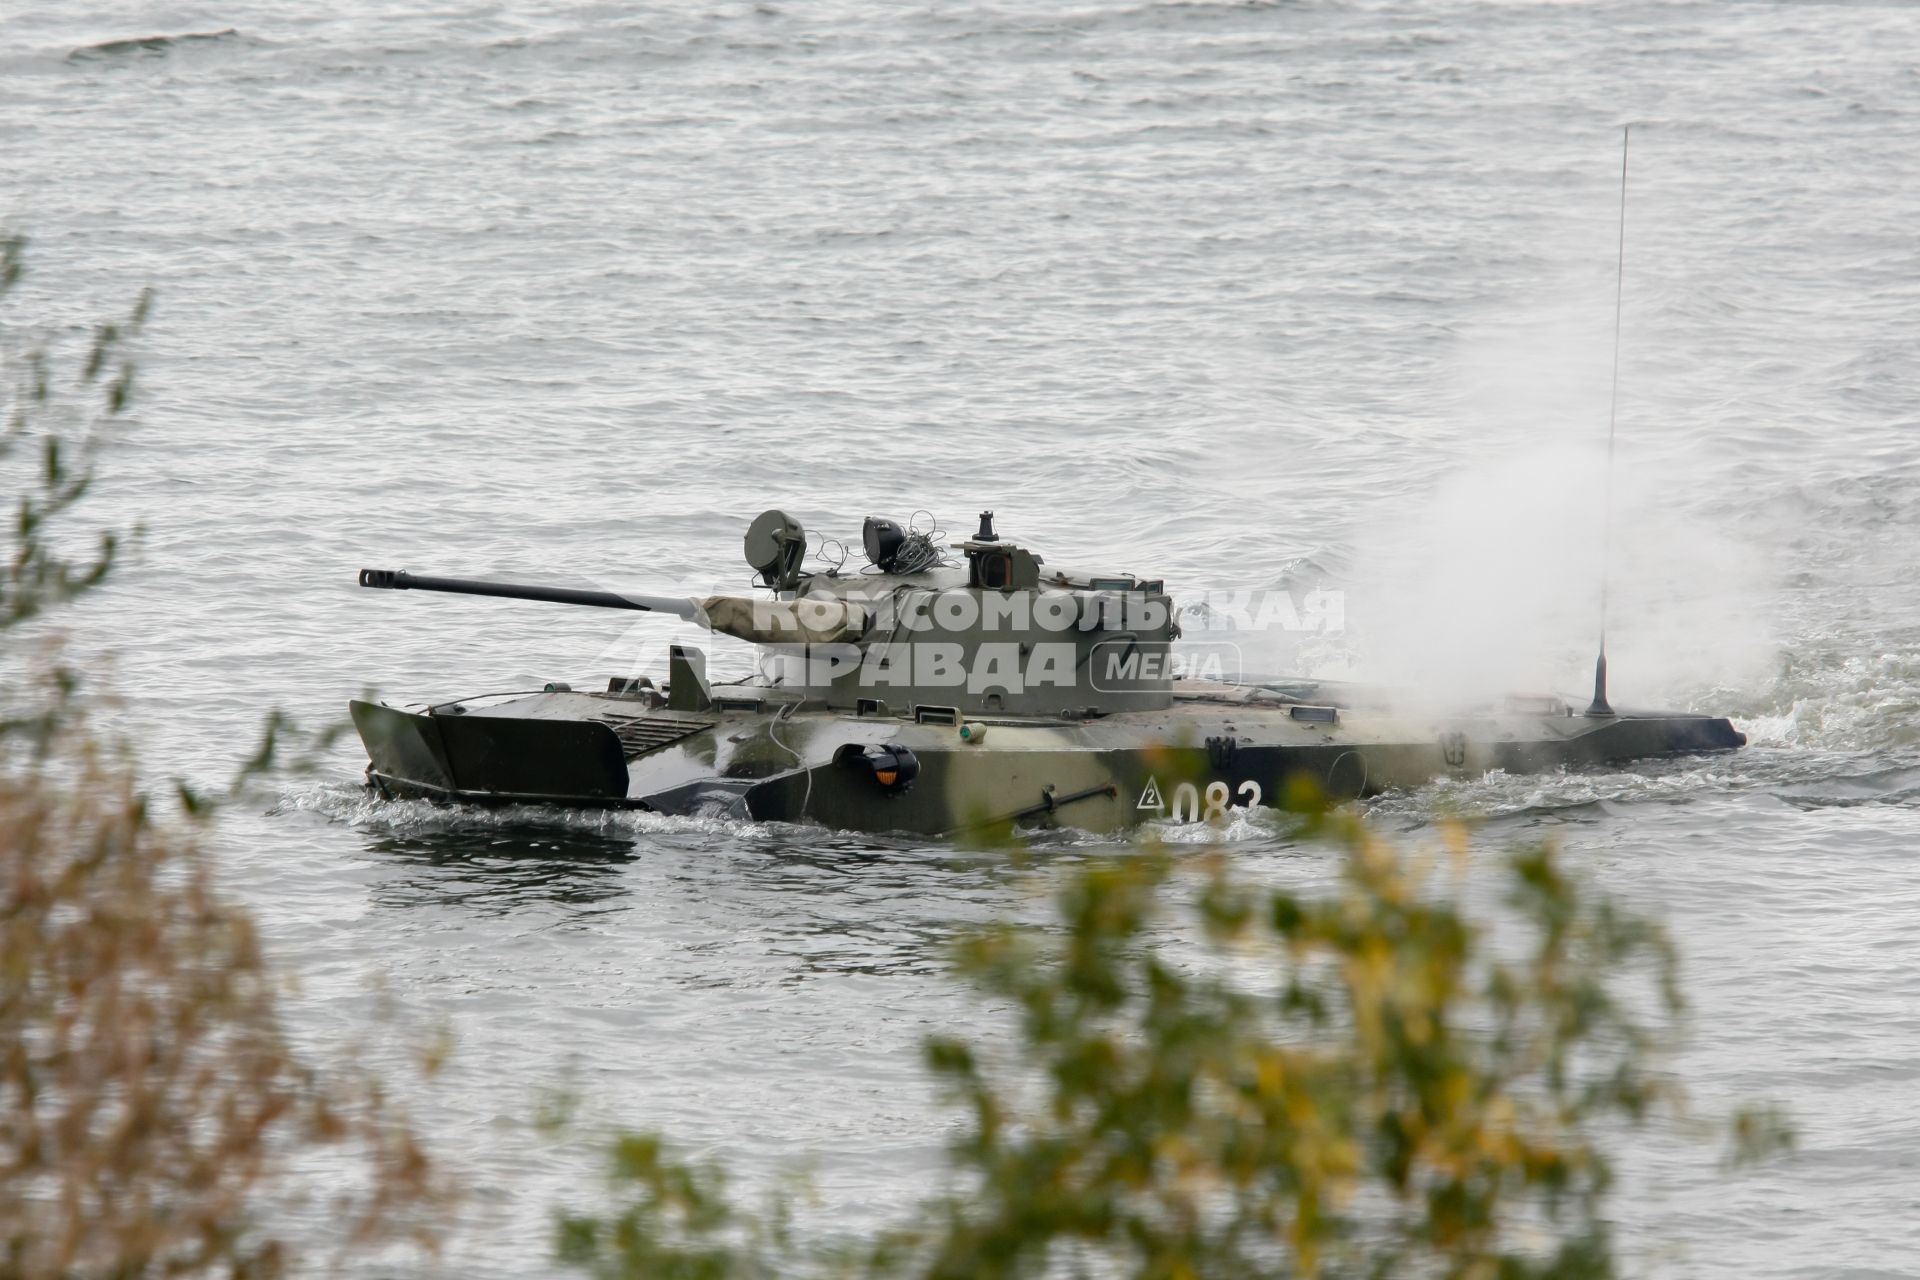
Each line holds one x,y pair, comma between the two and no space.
1246,295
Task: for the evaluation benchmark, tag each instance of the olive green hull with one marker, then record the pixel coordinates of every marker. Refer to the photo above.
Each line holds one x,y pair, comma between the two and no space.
1213,750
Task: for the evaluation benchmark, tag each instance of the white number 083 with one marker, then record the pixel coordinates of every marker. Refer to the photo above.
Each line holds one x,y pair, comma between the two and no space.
1187,798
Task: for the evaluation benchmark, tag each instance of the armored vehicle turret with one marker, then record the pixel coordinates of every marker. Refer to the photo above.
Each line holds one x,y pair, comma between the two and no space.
953,687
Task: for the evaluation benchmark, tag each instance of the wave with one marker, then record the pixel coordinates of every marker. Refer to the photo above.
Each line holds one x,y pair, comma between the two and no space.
136,46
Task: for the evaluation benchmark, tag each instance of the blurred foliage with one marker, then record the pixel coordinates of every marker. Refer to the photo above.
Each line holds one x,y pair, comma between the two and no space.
151,1104
54,416
63,415
1368,1082
150,1101
678,1225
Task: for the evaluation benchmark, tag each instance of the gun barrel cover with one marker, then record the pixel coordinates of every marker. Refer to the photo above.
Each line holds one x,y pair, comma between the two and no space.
803,621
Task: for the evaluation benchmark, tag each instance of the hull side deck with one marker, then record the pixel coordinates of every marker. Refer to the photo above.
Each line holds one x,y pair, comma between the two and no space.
581,750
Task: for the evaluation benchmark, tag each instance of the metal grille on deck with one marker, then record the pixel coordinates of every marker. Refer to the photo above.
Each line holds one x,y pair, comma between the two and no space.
641,734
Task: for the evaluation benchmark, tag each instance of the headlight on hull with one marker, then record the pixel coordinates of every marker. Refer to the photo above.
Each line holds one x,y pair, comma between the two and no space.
892,768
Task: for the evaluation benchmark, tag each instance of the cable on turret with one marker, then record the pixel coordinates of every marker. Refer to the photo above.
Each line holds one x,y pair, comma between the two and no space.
919,549
833,561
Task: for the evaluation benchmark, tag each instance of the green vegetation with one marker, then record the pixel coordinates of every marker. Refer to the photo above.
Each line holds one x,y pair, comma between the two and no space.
150,1103
1352,1084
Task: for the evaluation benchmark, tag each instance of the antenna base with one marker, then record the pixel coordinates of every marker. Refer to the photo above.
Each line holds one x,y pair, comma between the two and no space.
1599,705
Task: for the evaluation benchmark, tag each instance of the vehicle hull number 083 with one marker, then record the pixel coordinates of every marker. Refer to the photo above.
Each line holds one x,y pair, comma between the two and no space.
1191,803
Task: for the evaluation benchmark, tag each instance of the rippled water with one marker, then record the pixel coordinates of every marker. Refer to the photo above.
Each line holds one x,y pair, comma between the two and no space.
1242,294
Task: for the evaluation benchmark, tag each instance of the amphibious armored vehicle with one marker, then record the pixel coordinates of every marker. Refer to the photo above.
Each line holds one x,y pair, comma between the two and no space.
936,692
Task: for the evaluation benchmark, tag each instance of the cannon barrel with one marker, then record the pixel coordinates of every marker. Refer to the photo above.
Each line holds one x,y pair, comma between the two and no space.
829,621
401,580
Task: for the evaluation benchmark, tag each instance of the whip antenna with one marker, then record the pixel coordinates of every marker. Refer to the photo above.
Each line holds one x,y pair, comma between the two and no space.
1599,705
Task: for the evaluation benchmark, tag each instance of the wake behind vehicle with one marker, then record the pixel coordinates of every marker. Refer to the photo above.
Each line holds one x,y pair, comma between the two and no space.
937,696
